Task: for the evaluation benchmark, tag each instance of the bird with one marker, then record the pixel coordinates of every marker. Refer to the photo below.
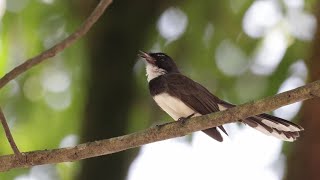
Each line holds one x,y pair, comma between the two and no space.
182,98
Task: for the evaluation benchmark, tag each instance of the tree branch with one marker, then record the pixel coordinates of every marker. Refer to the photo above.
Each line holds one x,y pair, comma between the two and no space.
8,133
82,30
158,133
29,63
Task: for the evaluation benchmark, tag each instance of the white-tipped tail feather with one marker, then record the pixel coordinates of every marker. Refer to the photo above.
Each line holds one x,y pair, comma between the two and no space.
270,125
274,126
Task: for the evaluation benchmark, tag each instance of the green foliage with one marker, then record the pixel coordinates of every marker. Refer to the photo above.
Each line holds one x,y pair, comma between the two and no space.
39,114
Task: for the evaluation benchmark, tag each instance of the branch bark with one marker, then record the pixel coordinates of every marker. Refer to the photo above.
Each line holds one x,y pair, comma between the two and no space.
158,133
82,30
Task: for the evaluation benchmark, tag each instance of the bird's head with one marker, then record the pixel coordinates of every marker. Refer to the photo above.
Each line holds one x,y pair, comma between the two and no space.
158,64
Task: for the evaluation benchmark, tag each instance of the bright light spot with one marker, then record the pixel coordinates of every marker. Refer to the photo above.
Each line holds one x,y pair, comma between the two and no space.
290,111
302,25
16,5
47,1
172,24
170,156
250,154
32,88
17,50
299,69
42,172
69,141
230,59
2,7
270,53
24,177
294,4
208,33
13,88
58,101
53,30
260,17
56,80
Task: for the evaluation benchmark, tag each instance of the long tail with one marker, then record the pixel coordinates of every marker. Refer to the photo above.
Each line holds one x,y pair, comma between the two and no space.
272,126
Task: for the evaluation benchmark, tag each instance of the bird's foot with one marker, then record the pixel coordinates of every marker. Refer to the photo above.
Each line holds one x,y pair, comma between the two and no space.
183,119
159,126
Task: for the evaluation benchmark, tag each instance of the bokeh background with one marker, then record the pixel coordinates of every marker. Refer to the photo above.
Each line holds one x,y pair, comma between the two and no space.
241,50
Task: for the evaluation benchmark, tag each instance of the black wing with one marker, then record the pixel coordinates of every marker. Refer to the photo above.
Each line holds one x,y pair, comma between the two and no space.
196,97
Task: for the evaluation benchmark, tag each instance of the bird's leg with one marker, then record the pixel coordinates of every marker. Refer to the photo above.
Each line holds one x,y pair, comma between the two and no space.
183,119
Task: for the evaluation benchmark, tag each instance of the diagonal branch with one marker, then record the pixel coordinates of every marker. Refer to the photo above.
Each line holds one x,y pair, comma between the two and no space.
82,30
8,134
29,63
153,134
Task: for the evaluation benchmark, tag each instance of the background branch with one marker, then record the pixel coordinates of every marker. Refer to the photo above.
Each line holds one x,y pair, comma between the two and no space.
8,133
153,134
29,63
82,30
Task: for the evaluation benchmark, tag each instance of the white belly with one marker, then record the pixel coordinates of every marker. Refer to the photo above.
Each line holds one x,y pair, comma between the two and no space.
173,106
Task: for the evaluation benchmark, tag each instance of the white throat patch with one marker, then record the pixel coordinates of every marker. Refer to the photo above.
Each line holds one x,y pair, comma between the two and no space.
154,71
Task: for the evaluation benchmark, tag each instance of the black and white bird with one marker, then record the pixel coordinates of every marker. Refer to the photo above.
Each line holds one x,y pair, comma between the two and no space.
181,98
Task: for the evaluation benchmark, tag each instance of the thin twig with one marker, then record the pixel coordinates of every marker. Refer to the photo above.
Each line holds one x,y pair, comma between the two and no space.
153,134
8,134
83,29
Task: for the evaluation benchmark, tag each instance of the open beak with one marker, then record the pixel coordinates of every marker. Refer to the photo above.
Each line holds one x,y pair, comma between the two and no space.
147,57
